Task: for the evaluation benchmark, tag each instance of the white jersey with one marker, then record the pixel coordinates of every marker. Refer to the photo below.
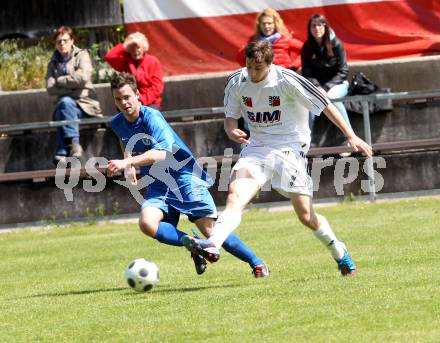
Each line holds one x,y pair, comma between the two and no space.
275,109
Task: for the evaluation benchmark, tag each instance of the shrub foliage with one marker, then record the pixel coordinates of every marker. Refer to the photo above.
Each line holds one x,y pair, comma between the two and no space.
23,67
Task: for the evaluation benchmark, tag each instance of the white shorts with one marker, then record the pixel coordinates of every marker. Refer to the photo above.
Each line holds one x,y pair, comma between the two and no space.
286,168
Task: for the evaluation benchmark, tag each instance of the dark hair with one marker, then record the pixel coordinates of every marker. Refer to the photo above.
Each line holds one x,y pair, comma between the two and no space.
61,31
325,39
122,79
259,51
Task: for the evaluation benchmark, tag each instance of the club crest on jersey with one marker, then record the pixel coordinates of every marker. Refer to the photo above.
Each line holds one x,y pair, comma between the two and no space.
274,100
247,101
146,140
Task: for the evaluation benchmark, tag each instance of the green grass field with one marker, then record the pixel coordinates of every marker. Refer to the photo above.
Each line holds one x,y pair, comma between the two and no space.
66,284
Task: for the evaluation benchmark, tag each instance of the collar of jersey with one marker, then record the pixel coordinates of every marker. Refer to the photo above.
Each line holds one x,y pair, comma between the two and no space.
137,123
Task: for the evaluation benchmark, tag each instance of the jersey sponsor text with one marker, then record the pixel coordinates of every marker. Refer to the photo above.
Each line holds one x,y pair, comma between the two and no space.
264,117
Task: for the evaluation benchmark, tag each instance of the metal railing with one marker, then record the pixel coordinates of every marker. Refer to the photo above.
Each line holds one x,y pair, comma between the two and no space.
410,95
209,111
10,128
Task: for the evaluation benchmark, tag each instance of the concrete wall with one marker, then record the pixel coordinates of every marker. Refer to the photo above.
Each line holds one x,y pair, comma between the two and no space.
206,138
207,90
33,151
28,201
406,74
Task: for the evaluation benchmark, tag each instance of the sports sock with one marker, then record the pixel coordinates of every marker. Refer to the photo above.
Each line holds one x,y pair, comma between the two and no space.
236,247
169,234
326,235
228,221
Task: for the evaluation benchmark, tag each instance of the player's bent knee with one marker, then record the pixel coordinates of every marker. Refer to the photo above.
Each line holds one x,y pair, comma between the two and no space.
148,228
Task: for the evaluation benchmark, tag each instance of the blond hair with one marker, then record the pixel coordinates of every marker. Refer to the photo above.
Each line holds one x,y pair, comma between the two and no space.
279,23
137,38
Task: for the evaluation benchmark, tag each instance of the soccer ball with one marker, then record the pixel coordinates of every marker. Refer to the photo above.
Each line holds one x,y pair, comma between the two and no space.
142,275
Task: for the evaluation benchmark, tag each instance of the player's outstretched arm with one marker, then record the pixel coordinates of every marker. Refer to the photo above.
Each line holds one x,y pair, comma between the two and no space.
147,158
233,132
356,143
129,170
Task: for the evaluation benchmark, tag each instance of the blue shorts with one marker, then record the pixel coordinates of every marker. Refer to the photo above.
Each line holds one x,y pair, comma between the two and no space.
197,203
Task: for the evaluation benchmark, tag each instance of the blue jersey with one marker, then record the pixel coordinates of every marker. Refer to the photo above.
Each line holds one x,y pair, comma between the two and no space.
179,175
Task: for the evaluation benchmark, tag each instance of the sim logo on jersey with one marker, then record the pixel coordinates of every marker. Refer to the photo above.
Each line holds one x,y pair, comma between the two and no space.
274,100
264,117
247,101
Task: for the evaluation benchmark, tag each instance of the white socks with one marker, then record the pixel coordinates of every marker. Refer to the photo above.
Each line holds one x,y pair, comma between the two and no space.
228,221
326,235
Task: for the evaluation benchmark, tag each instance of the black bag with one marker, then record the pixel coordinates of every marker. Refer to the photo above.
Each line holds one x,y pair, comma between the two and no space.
362,85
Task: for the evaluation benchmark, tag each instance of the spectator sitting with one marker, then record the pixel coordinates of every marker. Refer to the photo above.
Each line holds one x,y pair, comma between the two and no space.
269,26
324,63
69,78
132,57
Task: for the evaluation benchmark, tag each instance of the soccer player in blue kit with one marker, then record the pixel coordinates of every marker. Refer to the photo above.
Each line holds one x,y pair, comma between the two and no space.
275,103
176,182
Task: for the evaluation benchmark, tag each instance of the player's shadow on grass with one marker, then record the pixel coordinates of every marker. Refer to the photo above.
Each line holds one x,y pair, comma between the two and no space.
87,291
194,289
119,289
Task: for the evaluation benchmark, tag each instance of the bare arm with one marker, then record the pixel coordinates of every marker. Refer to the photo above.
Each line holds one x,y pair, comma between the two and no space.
358,144
147,158
129,170
233,132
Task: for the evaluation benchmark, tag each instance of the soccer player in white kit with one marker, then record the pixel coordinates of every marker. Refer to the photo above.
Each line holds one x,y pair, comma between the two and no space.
275,103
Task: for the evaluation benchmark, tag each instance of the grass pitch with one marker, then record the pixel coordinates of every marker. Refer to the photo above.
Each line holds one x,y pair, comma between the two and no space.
66,284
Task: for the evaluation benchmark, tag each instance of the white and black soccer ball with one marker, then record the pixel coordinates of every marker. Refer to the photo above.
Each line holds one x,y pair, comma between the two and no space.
142,275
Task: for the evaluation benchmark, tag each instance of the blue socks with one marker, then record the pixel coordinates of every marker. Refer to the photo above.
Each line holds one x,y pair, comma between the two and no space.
169,234
236,247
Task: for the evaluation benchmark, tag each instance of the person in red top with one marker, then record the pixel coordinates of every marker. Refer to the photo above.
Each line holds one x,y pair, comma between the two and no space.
270,26
132,57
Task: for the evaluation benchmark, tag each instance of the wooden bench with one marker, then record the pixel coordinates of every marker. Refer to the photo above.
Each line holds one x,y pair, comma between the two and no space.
379,148
14,129
413,96
205,112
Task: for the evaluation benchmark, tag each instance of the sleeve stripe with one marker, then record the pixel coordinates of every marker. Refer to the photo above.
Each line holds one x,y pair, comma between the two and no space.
231,82
323,100
308,86
232,75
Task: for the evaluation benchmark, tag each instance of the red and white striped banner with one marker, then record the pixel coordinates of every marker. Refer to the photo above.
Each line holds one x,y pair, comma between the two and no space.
200,36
